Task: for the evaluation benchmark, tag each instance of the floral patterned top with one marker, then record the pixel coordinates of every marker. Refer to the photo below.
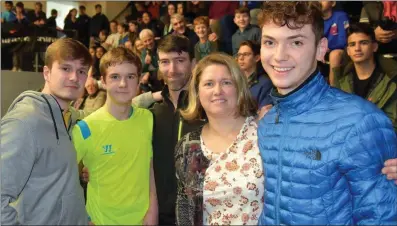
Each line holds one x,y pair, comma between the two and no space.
219,189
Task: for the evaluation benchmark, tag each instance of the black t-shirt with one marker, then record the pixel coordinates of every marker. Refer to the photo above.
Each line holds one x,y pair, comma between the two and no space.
362,87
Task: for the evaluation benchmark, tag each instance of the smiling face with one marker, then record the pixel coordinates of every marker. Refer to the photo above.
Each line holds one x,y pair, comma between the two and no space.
178,25
121,83
289,56
201,30
242,20
175,69
217,91
361,48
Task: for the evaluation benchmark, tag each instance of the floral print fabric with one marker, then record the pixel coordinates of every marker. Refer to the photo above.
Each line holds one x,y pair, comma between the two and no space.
234,182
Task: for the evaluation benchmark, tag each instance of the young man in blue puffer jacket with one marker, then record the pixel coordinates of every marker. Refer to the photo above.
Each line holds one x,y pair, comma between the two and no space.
323,149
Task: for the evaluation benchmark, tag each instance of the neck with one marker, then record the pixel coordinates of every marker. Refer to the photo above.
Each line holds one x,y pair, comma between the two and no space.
242,29
204,39
224,126
64,104
364,69
174,97
249,72
327,14
119,111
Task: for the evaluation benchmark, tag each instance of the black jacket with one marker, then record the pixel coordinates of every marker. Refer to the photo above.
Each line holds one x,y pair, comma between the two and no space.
168,129
98,22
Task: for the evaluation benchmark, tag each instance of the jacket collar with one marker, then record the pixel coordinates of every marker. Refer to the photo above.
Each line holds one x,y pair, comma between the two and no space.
303,98
182,99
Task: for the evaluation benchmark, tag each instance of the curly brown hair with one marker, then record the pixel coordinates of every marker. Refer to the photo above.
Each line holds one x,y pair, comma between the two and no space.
294,15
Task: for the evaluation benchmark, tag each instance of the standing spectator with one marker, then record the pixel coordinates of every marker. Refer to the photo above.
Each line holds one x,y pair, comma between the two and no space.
113,39
98,22
37,17
335,26
8,15
204,47
22,23
83,22
382,16
218,10
369,75
39,180
245,31
248,58
71,23
51,21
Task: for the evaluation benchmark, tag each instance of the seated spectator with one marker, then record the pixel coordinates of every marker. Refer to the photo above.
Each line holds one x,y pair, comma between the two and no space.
245,30
112,40
149,60
92,51
99,52
96,97
180,9
122,29
167,19
133,30
179,27
204,47
148,23
138,47
369,75
8,15
248,58
382,16
37,17
335,25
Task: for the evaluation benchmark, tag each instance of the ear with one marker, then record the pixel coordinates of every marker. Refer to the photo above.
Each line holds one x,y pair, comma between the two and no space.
46,73
375,47
333,4
322,48
257,58
103,83
235,19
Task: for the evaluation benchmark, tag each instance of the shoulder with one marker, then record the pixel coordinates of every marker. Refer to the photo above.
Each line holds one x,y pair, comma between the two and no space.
141,112
340,15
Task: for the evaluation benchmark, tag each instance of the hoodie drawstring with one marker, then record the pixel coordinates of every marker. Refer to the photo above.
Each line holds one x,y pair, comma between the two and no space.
53,118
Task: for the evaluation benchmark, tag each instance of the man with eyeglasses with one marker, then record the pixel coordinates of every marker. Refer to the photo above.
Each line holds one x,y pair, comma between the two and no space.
260,85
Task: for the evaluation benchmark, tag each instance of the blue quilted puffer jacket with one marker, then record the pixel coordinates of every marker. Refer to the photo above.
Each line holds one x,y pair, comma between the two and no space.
323,151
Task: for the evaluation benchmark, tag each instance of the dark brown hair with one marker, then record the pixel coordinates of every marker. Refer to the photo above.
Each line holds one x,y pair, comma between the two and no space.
67,49
255,47
294,15
175,43
242,10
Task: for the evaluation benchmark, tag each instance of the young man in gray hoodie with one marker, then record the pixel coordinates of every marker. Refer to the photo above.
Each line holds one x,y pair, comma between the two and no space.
39,178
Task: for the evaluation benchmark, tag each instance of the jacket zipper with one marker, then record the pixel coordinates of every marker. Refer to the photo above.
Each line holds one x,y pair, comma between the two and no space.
277,119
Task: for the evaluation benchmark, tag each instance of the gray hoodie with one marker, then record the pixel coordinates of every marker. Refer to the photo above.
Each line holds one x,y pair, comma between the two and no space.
39,173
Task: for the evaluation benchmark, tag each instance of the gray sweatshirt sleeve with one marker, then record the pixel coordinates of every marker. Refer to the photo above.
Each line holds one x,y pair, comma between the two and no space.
18,153
144,100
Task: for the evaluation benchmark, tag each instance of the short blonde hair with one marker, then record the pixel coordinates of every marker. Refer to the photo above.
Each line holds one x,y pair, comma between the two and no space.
177,16
246,106
146,32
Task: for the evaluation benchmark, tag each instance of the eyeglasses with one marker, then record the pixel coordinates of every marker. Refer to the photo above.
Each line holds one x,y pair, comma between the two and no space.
243,55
